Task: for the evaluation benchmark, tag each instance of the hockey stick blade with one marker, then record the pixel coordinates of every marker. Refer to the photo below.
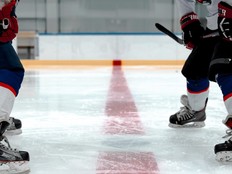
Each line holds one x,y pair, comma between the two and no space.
169,33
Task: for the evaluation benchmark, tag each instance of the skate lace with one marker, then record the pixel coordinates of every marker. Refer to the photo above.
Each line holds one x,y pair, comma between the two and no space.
184,114
7,146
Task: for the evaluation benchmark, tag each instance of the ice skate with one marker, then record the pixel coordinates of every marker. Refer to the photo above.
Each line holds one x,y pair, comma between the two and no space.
14,127
223,151
12,161
186,117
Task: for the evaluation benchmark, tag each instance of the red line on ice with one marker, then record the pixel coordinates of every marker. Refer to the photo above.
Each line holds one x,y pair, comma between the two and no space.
120,108
123,119
126,163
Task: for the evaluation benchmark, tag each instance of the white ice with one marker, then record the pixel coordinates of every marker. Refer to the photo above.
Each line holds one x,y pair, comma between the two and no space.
63,116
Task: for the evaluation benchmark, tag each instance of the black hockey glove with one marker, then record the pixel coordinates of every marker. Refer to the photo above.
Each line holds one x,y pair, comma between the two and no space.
205,2
192,30
225,20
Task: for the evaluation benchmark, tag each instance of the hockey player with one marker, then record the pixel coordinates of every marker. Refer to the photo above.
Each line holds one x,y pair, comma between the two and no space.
11,76
210,59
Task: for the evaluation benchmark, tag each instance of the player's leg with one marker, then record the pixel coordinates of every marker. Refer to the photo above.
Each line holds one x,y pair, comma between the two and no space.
195,69
192,114
221,72
224,150
13,83
11,160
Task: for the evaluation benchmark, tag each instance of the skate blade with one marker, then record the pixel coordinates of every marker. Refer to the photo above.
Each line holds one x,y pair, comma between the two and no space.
224,156
19,167
13,132
189,125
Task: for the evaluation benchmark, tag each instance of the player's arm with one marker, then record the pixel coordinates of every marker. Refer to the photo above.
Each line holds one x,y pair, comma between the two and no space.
190,24
8,21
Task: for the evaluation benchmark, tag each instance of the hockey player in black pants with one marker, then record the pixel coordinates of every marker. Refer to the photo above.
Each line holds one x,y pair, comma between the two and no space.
11,77
209,60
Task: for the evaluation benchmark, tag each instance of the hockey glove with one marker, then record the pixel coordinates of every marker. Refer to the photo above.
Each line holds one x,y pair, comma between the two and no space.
205,2
192,30
9,23
225,20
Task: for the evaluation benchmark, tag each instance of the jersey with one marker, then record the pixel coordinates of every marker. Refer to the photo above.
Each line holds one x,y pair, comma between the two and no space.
187,6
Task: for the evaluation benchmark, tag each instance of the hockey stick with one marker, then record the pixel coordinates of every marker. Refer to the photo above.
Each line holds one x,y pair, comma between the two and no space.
177,39
169,33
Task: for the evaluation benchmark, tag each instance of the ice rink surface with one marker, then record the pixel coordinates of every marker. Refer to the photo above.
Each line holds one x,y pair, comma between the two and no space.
104,120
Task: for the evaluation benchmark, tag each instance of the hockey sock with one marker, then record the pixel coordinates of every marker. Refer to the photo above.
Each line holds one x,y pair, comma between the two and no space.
225,83
198,91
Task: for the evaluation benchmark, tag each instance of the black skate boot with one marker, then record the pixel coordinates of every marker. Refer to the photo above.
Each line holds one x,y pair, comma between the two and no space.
223,151
186,117
15,127
11,160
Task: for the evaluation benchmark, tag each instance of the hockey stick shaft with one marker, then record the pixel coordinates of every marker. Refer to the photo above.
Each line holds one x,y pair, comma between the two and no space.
177,39
169,33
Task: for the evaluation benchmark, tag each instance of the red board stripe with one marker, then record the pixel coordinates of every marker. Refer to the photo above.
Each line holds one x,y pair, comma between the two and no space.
117,62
